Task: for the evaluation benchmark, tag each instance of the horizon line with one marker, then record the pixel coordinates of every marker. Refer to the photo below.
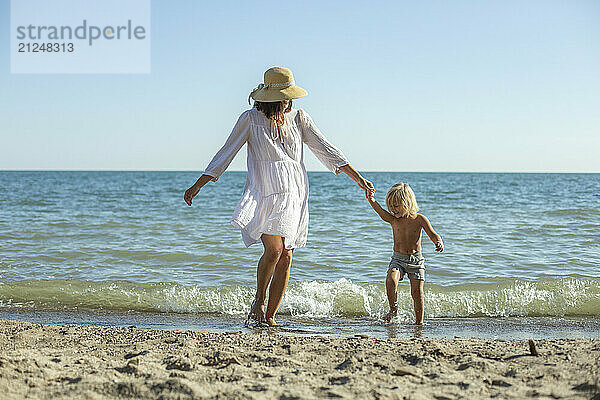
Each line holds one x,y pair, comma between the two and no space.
364,171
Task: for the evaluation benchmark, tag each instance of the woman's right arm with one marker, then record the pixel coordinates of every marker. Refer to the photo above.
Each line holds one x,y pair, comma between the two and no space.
219,163
195,188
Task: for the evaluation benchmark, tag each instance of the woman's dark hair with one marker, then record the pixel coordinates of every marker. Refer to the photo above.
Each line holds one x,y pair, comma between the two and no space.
274,110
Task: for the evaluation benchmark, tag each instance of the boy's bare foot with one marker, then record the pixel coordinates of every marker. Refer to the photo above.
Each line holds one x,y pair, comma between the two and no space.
257,312
271,321
388,317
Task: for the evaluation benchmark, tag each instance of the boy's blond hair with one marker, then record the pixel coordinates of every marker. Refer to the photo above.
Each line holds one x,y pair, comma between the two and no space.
401,201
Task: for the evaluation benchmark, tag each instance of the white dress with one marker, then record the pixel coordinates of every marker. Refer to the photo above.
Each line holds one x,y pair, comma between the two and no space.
275,199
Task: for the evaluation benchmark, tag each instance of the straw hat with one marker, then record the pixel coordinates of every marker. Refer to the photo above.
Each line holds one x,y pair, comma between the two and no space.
278,85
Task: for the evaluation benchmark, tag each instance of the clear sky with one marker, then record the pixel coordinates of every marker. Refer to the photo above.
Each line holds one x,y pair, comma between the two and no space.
396,85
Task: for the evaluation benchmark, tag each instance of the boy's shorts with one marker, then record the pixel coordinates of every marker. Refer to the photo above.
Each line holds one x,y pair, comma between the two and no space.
411,264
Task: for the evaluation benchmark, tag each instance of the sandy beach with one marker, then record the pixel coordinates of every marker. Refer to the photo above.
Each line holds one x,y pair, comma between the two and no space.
67,361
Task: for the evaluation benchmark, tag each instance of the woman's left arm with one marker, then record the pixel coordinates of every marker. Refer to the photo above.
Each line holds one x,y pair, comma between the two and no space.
364,184
328,154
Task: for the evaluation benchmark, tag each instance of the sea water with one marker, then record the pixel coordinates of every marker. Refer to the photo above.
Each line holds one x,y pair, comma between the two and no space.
519,247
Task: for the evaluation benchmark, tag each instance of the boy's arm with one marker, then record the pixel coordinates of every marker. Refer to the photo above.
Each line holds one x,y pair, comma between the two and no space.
435,238
386,216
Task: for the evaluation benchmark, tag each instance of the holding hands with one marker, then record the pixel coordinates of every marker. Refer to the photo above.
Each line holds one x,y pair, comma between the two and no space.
368,187
370,193
363,183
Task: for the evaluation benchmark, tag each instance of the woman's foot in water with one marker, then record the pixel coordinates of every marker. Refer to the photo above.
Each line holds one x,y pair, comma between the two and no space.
257,312
271,321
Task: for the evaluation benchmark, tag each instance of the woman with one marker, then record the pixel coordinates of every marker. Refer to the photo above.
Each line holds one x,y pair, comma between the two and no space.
274,206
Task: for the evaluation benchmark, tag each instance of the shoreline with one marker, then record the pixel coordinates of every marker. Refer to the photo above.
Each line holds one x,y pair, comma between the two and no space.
492,328
103,362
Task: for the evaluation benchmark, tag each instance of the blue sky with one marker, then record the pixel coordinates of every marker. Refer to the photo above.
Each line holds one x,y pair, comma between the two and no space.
400,86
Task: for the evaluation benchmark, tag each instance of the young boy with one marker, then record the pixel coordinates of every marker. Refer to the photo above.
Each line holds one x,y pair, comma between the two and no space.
407,258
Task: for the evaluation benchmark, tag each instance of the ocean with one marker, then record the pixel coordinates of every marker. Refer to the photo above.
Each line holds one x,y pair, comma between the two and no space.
522,254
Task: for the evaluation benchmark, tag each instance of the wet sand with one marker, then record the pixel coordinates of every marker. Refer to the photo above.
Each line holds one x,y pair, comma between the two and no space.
68,361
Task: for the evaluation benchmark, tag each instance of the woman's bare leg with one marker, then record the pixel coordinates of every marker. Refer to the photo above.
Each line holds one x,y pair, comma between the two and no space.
278,284
416,290
266,265
391,288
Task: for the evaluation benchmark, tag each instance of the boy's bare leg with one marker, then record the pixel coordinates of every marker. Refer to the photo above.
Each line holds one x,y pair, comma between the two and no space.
266,265
416,291
278,284
391,286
